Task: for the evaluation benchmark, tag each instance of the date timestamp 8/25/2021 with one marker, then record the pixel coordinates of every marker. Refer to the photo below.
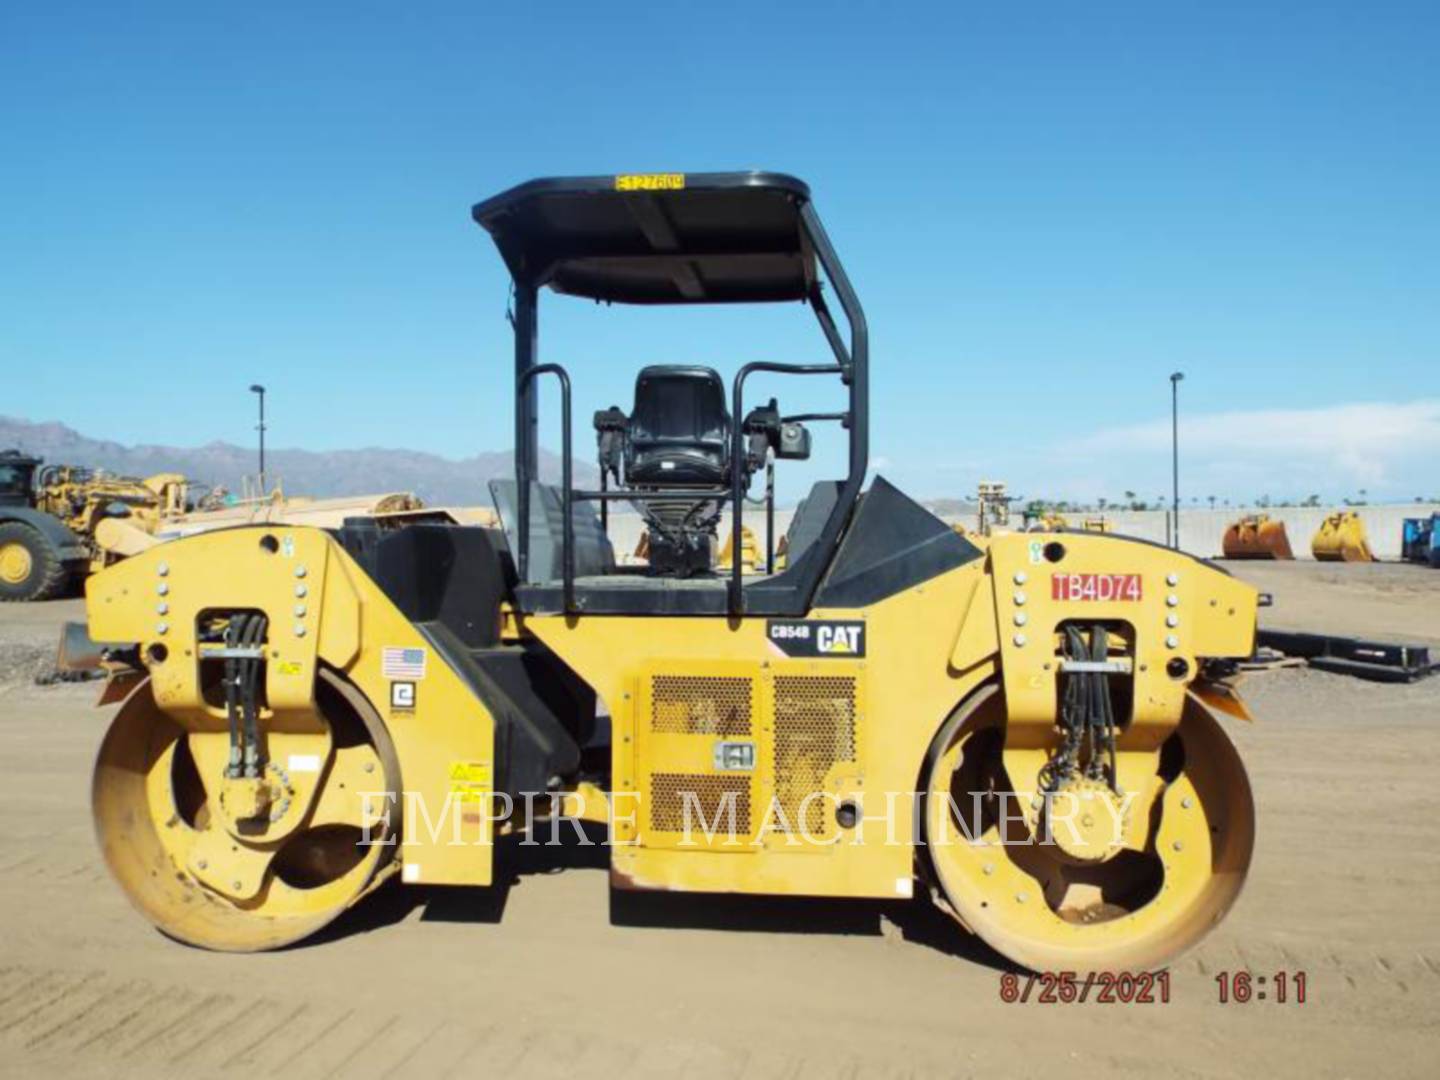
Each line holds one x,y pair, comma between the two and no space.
1145,987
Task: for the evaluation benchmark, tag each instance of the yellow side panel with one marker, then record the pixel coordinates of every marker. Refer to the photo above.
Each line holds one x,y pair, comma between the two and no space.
854,729
1178,611
322,608
743,757
444,738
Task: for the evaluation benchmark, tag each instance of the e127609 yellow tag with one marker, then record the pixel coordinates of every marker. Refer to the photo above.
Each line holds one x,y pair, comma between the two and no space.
665,181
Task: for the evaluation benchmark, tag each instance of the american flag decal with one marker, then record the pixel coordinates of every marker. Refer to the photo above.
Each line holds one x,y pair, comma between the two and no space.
400,663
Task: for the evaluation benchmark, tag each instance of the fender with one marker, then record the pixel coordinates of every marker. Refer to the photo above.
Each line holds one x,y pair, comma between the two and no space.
70,546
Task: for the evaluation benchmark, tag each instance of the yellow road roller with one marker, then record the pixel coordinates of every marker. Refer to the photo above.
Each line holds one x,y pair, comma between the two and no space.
1027,731
1256,536
1341,538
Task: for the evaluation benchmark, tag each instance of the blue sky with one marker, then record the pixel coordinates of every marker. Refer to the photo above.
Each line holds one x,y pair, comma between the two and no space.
1046,209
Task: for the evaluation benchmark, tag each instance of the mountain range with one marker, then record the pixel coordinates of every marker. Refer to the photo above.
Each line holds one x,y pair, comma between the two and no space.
370,470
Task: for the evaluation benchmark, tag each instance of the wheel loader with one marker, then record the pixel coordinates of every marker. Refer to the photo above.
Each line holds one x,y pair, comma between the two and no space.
1027,733
50,516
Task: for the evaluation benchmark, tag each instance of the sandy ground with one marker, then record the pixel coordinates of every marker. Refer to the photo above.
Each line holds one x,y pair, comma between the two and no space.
1386,601
552,976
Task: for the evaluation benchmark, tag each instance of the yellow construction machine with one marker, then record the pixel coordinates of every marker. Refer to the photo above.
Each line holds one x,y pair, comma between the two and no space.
59,523
1054,521
1341,538
1256,536
51,515
1028,730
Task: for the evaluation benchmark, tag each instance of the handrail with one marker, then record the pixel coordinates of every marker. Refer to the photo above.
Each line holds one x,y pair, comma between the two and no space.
522,527
809,417
737,458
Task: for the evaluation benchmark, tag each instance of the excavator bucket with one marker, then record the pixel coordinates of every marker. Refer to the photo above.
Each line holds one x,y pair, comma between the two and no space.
1255,536
1341,538
749,552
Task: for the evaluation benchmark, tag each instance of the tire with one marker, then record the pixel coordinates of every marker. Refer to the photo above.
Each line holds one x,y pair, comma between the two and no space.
30,564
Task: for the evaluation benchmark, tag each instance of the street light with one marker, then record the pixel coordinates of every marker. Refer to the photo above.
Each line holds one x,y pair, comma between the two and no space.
1175,451
259,390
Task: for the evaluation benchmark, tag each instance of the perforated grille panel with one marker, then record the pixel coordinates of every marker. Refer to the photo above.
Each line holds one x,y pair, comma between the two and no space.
700,705
709,799
814,731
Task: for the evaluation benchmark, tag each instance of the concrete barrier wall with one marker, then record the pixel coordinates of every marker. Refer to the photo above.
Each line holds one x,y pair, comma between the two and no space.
1201,531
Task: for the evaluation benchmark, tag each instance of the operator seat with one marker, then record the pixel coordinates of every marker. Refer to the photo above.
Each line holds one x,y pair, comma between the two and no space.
679,432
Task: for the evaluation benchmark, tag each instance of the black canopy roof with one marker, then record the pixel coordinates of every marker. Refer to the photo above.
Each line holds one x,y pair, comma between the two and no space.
657,238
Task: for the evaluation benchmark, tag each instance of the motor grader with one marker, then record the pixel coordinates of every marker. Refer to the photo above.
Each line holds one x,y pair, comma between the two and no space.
51,515
1025,731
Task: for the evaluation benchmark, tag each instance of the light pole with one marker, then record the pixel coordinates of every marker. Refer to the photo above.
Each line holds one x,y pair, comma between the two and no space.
1175,452
259,391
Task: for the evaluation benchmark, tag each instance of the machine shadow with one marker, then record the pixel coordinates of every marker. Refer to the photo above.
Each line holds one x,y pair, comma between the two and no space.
545,851
579,846
917,922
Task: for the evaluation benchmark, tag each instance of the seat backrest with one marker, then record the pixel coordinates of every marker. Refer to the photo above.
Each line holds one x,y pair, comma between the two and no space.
594,554
680,406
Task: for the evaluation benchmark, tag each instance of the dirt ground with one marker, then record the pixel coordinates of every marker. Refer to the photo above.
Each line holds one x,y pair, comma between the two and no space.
552,976
1386,601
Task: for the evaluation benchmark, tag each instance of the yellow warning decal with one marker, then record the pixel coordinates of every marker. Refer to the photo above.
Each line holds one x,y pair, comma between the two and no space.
470,781
288,667
664,181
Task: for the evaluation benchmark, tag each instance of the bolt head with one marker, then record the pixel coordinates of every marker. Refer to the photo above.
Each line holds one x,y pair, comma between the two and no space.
1172,642
299,629
1172,580
1019,577
1179,845
163,569
202,864
1019,599
299,571
162,628
1186,803
301,590
1021,618
1019,640
299,611
162,608
162,589
1172,620
1172,600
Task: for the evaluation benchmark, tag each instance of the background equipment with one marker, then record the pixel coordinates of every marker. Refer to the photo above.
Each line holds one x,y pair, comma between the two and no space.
1028,730
50,514
59,523
1420,540
1341,538
1256,536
